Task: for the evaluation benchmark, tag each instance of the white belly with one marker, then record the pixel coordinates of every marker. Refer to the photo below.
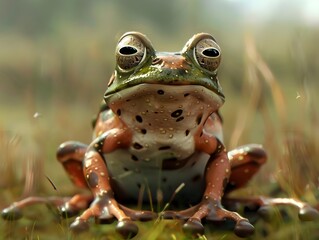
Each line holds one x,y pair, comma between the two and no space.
132,176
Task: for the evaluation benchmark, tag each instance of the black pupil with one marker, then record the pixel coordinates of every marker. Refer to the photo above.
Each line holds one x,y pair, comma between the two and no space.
211,52
127,50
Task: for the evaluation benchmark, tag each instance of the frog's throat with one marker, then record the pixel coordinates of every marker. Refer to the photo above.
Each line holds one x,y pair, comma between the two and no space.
212,86
160,108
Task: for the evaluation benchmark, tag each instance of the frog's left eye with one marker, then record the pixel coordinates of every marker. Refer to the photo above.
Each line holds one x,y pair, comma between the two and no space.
129,52
207,54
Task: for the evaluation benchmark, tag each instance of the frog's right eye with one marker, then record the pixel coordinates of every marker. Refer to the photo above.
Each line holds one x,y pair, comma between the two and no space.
129,52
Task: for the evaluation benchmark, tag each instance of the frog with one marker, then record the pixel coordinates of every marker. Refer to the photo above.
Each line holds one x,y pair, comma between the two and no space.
158,138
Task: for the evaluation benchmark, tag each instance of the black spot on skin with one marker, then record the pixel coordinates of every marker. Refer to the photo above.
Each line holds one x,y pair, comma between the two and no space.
196,178
143,131
230,186
160,92
118,112
125,169
179,119
139,118
164,179
134,158
164,148
177,113
186,94
173,163
93,180
138,185
187,132
199,119
137,146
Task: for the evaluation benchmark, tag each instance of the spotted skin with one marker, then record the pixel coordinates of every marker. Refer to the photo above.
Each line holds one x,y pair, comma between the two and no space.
158,139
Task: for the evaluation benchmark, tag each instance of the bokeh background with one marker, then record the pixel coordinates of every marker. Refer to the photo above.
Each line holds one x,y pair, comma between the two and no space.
55,61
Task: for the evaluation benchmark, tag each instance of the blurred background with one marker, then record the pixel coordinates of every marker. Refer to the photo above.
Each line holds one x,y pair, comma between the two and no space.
56,58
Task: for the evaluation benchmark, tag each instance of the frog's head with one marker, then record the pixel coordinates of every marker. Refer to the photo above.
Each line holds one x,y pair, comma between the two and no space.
137,62
145,80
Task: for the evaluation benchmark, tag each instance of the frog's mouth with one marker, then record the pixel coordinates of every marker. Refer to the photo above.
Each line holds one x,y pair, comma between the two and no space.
162,106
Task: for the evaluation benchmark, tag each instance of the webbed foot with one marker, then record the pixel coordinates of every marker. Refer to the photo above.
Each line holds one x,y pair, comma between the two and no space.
266,206
14,211
213,211
104,209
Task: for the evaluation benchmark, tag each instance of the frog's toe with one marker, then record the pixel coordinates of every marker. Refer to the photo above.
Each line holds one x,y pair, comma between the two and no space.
193,227
147,216
79,225
11,213
308,214
243,229
267,213
66,211
127,228
169,215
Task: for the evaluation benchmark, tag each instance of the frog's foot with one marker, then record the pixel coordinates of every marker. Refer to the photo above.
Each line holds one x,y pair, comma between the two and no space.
104,209
266,206
212,211
14,211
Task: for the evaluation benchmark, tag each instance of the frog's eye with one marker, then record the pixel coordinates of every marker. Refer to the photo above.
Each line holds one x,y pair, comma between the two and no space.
207,54
129,52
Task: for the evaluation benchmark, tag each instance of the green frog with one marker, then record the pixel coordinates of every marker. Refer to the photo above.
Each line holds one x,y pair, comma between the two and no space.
158,139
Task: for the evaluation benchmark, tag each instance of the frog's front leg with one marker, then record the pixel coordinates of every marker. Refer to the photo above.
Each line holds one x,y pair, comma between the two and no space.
217,175
216,178
104,206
